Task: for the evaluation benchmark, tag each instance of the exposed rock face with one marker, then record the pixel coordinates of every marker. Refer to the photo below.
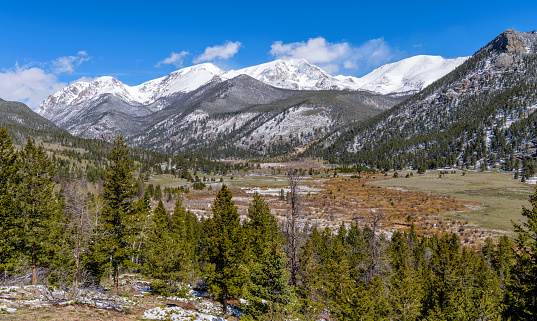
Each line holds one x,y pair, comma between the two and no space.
508,41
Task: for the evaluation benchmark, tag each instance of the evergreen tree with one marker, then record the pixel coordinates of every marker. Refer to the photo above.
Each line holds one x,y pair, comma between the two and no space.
406,289
37,203
268,290
8,161
159,254
224,249
521,297
185,238
118,190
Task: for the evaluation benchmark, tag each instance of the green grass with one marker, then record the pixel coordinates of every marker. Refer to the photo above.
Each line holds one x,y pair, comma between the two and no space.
503,196
166,180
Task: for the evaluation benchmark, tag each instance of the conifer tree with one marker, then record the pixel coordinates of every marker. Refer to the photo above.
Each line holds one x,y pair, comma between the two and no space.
522,290
185,238
268,290
37,203
159,254
118,190
406,290
8,159
224,249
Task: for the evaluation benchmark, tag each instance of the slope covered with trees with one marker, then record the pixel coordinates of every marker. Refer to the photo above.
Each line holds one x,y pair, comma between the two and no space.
480,115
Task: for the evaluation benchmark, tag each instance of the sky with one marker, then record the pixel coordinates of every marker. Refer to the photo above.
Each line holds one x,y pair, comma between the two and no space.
47,45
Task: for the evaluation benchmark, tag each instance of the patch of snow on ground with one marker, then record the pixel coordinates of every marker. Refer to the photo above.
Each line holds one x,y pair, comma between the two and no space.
195,116
302,190
5,309
227,124
177,314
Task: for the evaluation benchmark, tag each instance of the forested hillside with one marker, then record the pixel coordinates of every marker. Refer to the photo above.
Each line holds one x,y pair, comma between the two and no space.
482,114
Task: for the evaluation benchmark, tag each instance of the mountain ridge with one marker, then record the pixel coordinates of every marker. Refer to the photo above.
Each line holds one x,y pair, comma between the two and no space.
480,114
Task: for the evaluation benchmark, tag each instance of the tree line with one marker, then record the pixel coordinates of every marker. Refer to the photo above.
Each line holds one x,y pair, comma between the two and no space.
65,236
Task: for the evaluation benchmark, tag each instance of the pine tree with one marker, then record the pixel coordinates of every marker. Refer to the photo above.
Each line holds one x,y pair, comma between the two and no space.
118,190
159,254
8,161
224,249
268,291
521,296
406,290
37,203
184,233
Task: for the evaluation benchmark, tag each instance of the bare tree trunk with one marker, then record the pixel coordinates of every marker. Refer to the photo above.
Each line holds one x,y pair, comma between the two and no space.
374,245
77,264
34,268
224,303
294,179
116,279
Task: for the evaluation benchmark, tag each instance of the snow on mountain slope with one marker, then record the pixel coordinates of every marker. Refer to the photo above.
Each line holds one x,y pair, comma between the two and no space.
407,76
91,100
78,96
295,74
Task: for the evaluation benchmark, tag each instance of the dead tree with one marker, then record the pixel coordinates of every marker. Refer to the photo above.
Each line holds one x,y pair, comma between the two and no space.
293,176
82,222
377,264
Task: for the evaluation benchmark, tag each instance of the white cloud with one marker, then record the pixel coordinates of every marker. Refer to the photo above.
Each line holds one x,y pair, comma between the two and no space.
375,52
28,85
315,50
31,85
330,68
82,79
68,64
333,57
175,59
225,51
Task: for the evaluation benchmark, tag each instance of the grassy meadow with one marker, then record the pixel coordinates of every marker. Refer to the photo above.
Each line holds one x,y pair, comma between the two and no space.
501,195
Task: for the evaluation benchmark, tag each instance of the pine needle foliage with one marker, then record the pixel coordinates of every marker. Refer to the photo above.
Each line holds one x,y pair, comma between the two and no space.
118,191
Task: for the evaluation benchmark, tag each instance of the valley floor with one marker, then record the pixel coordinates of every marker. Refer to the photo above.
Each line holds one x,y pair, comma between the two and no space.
476,205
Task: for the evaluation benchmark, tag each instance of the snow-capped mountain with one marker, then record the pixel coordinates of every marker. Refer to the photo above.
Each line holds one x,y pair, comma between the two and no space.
295,74
404,77
153,95
279,92
401,78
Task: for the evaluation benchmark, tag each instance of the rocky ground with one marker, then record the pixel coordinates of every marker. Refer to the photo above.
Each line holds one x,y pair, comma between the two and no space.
135,302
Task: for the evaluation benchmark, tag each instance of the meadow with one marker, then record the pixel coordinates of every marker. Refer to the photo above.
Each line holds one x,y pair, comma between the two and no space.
501,197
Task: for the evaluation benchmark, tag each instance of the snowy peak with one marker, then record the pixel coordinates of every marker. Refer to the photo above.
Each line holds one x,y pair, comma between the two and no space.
407,76
83,94
401,78
295,74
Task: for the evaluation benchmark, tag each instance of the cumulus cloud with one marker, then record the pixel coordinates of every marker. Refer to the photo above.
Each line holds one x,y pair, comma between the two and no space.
82,79
175,59
68,64
333,57
34,82
28,85
225,51
316,50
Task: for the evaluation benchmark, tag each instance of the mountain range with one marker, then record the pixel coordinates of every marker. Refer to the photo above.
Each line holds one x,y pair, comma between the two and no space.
289,103
481,113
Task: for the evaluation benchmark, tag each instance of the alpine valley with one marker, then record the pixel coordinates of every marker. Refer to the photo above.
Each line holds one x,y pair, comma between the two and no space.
279,190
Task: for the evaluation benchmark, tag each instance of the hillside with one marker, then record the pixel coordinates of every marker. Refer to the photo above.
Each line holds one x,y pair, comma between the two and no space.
480,114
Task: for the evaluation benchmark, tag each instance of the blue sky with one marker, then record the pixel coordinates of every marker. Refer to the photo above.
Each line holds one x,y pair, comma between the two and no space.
45,45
